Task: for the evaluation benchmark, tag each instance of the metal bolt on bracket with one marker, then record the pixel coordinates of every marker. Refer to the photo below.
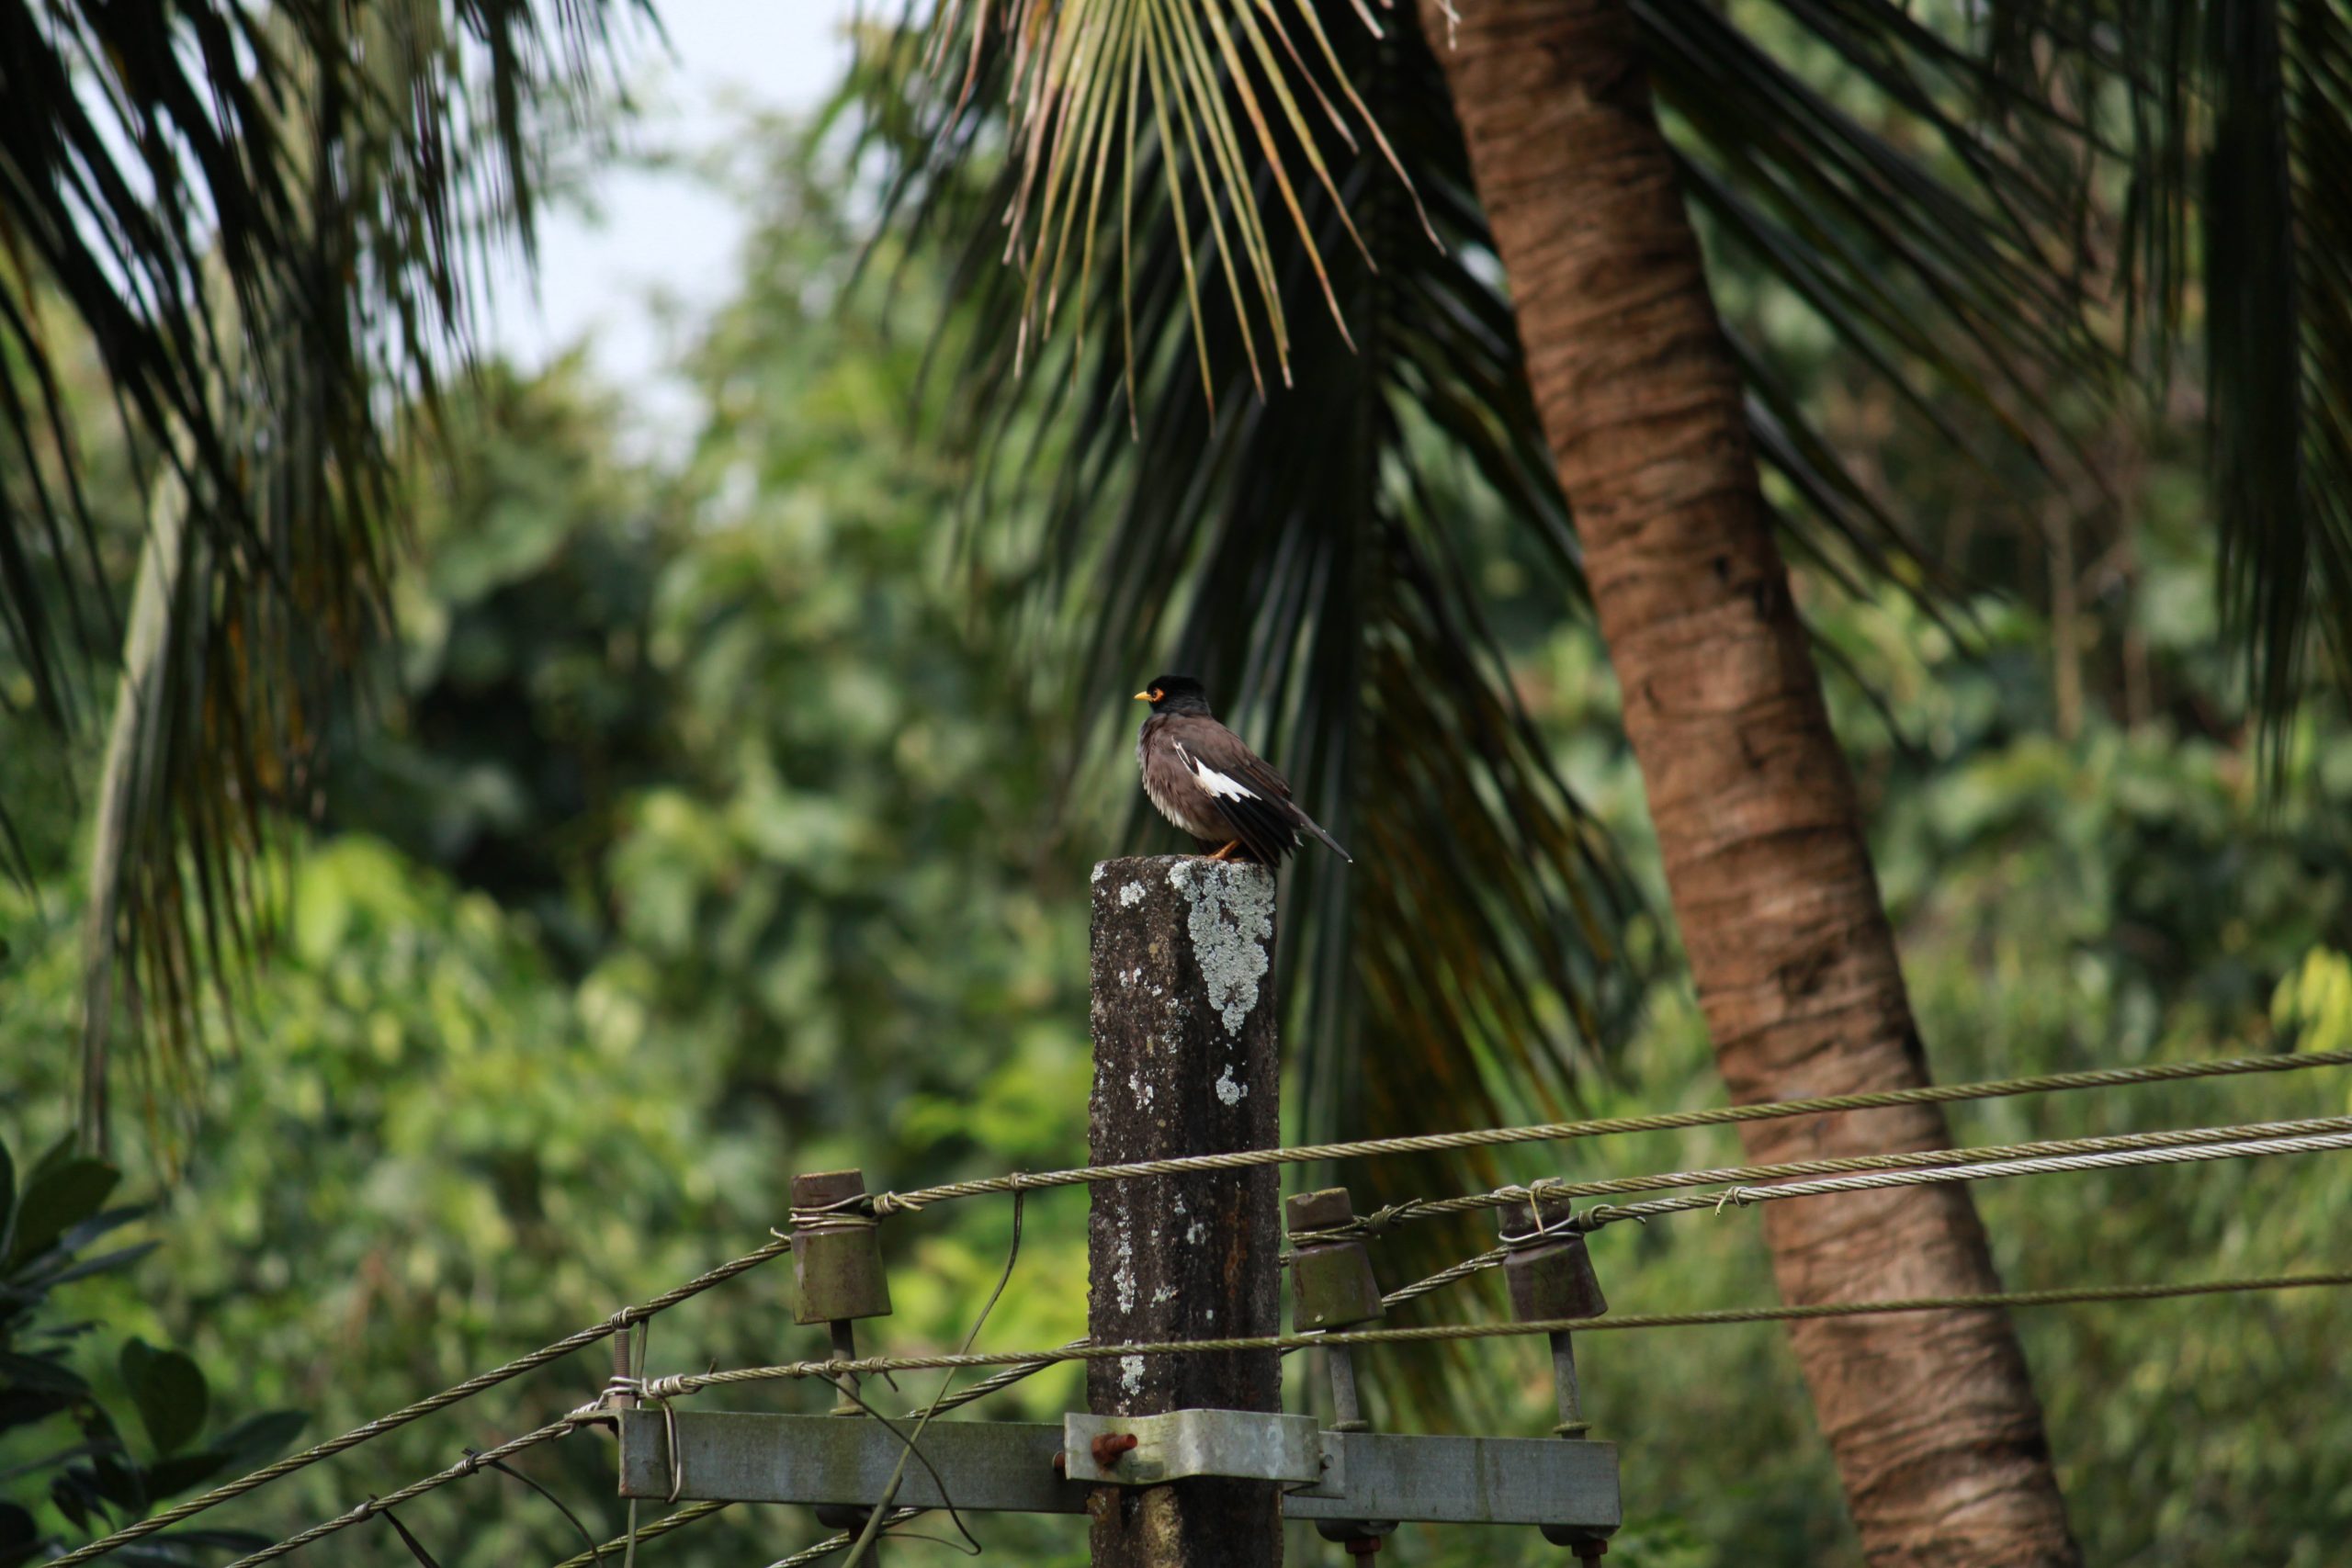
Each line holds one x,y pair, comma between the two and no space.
1359,1539
1175,1445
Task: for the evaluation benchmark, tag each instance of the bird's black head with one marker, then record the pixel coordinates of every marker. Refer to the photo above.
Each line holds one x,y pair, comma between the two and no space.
1175,693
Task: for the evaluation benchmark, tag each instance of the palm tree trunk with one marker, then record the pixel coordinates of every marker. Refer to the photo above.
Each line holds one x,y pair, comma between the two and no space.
1938,1435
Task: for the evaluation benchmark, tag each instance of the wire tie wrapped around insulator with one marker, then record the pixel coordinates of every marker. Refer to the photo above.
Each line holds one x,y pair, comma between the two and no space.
1567,1225
658,1392
1363,1227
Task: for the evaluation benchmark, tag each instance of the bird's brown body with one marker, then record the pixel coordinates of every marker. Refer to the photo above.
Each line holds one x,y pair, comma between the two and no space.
1202,778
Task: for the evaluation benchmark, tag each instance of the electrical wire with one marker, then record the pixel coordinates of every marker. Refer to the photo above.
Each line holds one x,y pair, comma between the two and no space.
1549,1189
425,1406
882,1204
691,1383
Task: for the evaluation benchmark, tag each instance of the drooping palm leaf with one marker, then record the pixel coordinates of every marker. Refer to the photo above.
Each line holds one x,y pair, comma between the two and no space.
268,226
1952,253
2226,122
2238,125
1313,553
1219,82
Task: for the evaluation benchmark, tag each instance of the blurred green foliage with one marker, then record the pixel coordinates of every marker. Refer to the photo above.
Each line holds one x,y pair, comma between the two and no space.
70,1468
717,838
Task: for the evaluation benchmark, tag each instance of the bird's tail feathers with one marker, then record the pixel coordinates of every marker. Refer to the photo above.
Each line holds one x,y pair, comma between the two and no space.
1316,828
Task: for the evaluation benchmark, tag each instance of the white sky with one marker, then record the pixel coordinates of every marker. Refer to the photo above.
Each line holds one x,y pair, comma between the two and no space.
667,235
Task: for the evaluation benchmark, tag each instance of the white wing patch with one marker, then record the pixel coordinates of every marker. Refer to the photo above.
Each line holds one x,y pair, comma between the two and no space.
1215,782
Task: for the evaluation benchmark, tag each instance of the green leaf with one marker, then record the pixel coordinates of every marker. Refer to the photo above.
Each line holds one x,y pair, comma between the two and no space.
170,1477
61,1193
119,1483
41,1374
19,1537
169,1392
105,1262
72,1494
263,1436
25,1407
82,1233
250,1442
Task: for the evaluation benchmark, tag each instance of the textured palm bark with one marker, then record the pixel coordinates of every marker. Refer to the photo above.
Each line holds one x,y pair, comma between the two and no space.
1938,1436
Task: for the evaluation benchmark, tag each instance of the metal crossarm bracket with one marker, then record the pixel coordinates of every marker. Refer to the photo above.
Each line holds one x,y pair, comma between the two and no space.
1008,1467
1245,1445
988,1466
1472,1481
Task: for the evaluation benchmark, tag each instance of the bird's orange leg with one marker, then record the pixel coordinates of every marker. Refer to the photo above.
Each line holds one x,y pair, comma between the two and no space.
1226,851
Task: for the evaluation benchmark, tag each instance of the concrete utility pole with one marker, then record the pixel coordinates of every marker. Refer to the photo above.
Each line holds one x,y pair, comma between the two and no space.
1178,1462
1185,1063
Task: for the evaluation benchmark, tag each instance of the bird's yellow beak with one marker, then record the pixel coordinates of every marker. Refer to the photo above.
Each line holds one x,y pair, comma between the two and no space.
1143,696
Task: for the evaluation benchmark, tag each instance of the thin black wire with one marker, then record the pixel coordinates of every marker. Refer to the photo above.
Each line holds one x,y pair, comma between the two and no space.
408,1538
594,1552
890,1492
694,1513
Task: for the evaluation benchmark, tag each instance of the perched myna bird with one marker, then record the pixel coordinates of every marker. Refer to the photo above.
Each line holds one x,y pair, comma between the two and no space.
1206,782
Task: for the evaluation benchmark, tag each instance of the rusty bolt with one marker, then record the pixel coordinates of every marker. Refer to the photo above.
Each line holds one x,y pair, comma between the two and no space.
1061,1462
1109,1446
1591,1550
1362,1547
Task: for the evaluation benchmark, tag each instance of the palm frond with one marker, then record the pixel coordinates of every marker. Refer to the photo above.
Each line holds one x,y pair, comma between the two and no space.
2228,121
267,229
1085,81
1314,555
1944,274
1930,210
2277,285
1923,207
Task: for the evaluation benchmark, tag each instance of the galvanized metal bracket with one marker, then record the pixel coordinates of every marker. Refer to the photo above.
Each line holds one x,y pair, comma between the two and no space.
1008,1466
1334,1480
1143,1450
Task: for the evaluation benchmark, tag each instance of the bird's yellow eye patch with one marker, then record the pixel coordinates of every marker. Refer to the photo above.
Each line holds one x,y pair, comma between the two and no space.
1151,697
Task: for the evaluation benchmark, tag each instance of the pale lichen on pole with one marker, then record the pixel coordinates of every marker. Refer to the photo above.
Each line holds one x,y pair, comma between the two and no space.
1186,1062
